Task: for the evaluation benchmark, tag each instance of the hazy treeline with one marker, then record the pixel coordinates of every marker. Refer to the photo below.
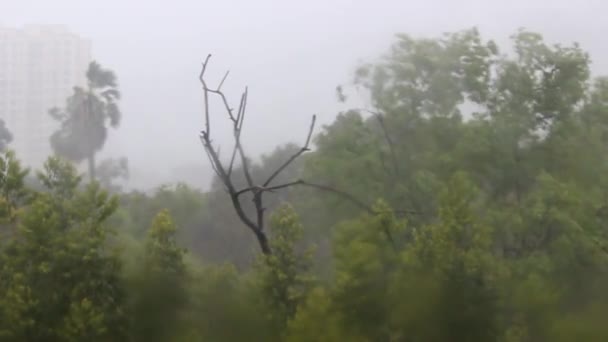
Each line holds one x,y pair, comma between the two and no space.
486,176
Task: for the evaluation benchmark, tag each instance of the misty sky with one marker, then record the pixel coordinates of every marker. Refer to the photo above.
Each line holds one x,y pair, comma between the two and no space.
291,54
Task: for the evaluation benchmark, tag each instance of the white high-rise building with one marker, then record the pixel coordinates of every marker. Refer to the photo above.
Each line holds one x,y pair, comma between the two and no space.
39,66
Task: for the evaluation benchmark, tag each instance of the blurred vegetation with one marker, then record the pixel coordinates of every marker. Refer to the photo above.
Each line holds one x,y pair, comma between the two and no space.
487,174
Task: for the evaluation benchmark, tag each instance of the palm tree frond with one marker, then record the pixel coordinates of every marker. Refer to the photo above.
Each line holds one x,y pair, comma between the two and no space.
111,94
87,115
5,136
113,113
57,114
99,77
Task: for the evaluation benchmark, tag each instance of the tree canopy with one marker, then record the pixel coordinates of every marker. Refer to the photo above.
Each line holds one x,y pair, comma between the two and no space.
467,202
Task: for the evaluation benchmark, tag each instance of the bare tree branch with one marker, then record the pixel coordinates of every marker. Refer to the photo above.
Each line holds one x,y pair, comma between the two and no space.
237,130
211,161
256,225
225,175
244,161
219,169
201,77
223,80
343,194
304,148
225,102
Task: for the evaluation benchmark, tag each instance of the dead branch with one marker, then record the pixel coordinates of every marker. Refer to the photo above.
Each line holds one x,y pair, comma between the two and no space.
223,80
326,188
295,156
201,77
256,225
236,132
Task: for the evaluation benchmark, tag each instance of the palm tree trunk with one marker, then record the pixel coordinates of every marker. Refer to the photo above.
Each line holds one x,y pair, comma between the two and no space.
91,161
91,158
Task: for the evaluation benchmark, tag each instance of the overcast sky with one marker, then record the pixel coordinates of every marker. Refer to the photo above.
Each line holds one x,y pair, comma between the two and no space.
291,54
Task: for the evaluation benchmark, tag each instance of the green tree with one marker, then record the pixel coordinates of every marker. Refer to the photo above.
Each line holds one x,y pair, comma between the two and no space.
366,257
159,292
530,131
202,233
316,320
86,116
13,193
454,261
60,280
224,307
555,248
457,103
283,277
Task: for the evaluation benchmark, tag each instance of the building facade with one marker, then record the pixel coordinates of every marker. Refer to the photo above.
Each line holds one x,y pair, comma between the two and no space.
39,66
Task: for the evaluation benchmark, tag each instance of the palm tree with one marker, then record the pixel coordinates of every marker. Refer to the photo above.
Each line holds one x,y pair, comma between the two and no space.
5,136
85,118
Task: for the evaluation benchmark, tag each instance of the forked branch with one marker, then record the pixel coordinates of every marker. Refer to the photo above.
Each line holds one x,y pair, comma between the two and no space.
225,173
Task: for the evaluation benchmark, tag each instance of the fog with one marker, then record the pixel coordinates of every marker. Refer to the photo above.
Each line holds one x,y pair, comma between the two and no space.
290,54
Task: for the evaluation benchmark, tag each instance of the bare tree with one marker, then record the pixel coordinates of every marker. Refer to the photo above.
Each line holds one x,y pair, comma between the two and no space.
224,171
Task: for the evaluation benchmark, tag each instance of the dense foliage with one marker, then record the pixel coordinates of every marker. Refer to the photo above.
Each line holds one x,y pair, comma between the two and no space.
486,174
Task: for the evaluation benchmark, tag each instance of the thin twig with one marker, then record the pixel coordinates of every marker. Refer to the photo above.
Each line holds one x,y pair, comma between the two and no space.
345,195
242,116
226,105
223,79
326,188
211,161
201,77
244,163
225,174
295,155
232,158
236,131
